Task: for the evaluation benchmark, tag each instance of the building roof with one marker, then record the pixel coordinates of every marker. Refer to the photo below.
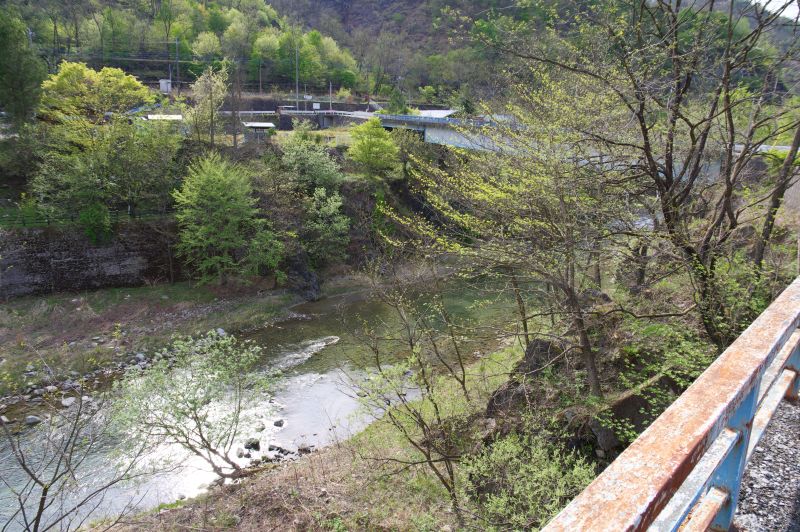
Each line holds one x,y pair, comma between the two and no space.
165,117
259,125
436,113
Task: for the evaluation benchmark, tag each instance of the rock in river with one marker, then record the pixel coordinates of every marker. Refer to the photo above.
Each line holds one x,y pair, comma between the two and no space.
32,420
252,444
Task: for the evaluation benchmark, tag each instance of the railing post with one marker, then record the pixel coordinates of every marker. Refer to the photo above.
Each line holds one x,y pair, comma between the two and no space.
729,474
794,365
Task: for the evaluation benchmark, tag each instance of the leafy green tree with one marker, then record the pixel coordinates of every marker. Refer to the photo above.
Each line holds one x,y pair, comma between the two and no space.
398,104
207,45
373,148
79,91
21,70
209,94
676,75
325,235
534,214
308,161
116,165
220,234
194,395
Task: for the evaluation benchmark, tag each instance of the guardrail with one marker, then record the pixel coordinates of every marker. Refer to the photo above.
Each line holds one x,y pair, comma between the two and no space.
684,472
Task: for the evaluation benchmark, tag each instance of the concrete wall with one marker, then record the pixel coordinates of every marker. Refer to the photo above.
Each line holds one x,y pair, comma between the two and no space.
45,260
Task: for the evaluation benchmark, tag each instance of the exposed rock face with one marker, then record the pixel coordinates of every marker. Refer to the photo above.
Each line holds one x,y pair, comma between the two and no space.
301,279
517,390
46,260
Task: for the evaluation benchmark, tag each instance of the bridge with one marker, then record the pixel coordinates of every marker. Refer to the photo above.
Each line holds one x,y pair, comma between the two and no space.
685,471
455,132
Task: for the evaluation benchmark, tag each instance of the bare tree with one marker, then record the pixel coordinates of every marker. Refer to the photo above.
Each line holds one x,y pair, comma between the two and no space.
701,91
50,476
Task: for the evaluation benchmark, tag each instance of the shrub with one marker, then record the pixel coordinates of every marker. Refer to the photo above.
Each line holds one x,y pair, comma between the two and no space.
521,482
95,221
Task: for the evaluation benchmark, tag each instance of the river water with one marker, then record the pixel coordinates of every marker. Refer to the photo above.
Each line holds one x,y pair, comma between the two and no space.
312,403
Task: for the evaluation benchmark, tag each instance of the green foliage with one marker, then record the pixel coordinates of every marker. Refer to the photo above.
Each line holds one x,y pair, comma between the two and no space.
209,92
654,353
309,162
21,70
79,91
115,164
95,221
220,234
521,482
373,148
325,235
398,104
193,395
427,93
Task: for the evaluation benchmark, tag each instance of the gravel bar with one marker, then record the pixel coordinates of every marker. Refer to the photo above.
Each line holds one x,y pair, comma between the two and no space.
770,498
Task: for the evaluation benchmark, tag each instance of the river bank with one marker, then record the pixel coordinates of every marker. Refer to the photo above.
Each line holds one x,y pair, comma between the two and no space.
352,484
48,344
314,345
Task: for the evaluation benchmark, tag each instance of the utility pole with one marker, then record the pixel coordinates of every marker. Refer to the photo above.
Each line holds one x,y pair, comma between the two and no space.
260,87
177,65
211,92
330,95
296,75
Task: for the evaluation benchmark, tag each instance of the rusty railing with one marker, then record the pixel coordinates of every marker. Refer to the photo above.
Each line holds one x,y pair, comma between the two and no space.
684,472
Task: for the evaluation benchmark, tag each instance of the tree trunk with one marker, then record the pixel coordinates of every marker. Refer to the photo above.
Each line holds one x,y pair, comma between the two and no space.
775,200
521,307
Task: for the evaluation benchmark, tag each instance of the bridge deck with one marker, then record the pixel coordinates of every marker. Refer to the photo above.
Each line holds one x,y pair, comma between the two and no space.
770,498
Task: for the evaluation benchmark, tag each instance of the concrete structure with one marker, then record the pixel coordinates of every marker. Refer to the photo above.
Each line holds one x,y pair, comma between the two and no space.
257,131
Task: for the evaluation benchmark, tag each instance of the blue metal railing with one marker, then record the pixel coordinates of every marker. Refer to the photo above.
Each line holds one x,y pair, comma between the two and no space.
685,471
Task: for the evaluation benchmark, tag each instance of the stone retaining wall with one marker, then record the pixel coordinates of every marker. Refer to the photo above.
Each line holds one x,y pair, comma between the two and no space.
46,260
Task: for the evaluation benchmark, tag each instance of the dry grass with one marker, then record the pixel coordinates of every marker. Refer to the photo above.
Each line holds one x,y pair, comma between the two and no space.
332,489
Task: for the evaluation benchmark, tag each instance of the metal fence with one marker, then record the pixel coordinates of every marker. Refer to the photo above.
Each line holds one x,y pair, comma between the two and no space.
684,472
19,219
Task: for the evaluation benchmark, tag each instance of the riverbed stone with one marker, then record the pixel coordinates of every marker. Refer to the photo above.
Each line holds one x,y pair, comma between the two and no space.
259,427
51,389
278,449
252,444
305,449
67,402
279,423
32,420
4,420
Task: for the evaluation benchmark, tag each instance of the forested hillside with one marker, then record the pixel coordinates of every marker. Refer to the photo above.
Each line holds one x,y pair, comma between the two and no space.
175,38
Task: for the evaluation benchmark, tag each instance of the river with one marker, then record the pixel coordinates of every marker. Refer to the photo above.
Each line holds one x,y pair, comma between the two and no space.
311,404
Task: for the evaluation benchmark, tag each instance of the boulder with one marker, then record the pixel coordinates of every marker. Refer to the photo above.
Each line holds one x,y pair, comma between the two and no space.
32,420
278,449
305,449
279,423
259,427
67,402
252,444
